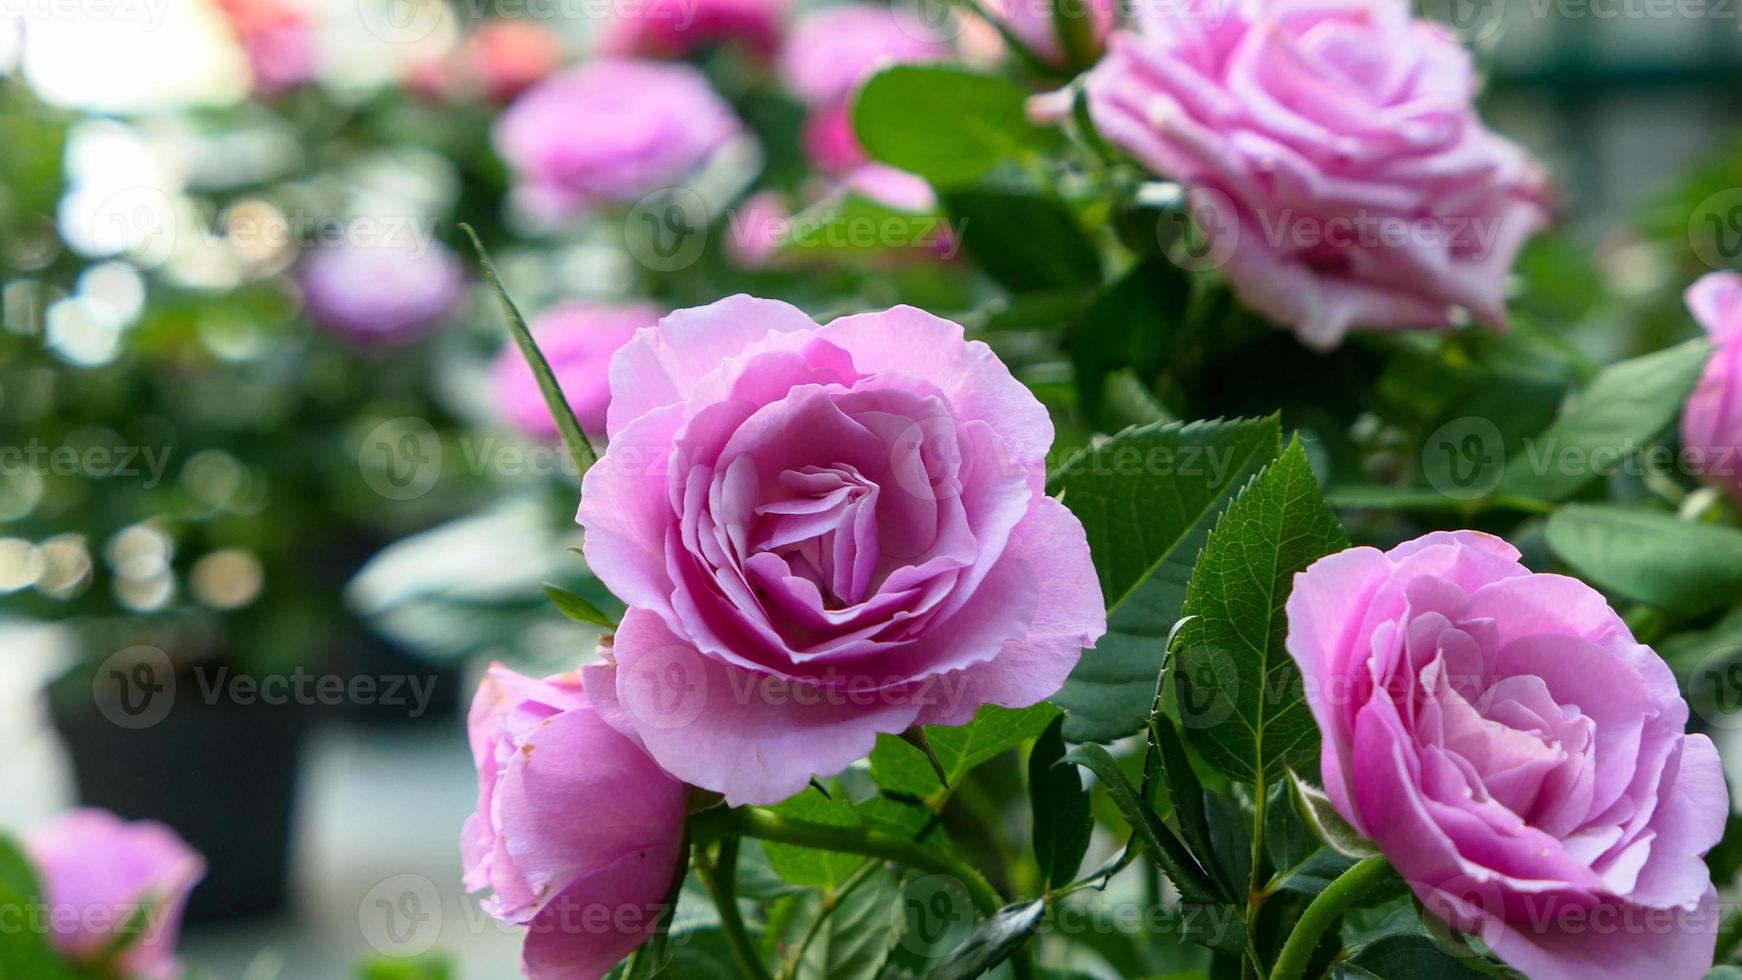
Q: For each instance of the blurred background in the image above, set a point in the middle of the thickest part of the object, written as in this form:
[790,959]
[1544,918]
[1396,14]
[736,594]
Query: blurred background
[262,516]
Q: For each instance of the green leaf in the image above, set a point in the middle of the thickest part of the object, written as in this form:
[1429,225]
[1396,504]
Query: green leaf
[1405,957]
[1315,808]
[862,928]
[1127,326]
[1147,498]
[899,767]
[1183,789]
[1062,823]
[1624,408]
[1650,557]
[571,604]
[806,866]
[25,953]
[1025,242]
[579,448]
[946,123]
[992,943]
[1240,695]
[1169,853]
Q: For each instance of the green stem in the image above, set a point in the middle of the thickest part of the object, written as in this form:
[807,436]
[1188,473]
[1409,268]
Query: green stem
[831,902]
[721,880]
[1322,913]
[1254,897]
[764,825]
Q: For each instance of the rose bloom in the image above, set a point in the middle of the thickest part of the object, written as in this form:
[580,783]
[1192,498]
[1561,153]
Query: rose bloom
[577,339]
[506,57]
[830,54]
[1712,423]
[612,130]
[578,833]
[97,872]
[679,28]
[1516,755]
[1332,153]
[824,533]
[384,293]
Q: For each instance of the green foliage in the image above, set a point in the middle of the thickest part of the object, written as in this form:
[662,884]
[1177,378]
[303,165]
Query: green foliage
[1164,847]
[1621,411]
[1147,498]
[1240,694]
[992,943]
[900,767]
[1060,805]
[1649,556]
[947,123]
[436,966]
[572,605]
[1024,242]
[26,949]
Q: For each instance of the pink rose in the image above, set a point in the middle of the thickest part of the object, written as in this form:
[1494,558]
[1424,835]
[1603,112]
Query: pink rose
[578,833]
[1712,423]
[578,340]
[678,28]
[1515,754]
[383,293]
[830,54]
[1333,154]
[97,873]
[823,533]
[612,130]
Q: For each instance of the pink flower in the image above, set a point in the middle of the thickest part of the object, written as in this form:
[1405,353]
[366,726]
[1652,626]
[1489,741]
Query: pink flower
[612,130]
[1516,754]
[757,230]
[578,340]
[578,834]
[1332,151]
[823,533]
[678,28]
[830,54]
[100,874]
[1712,423]
[383,293]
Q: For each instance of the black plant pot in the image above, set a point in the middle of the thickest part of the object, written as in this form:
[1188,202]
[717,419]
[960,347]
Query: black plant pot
[223,775]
